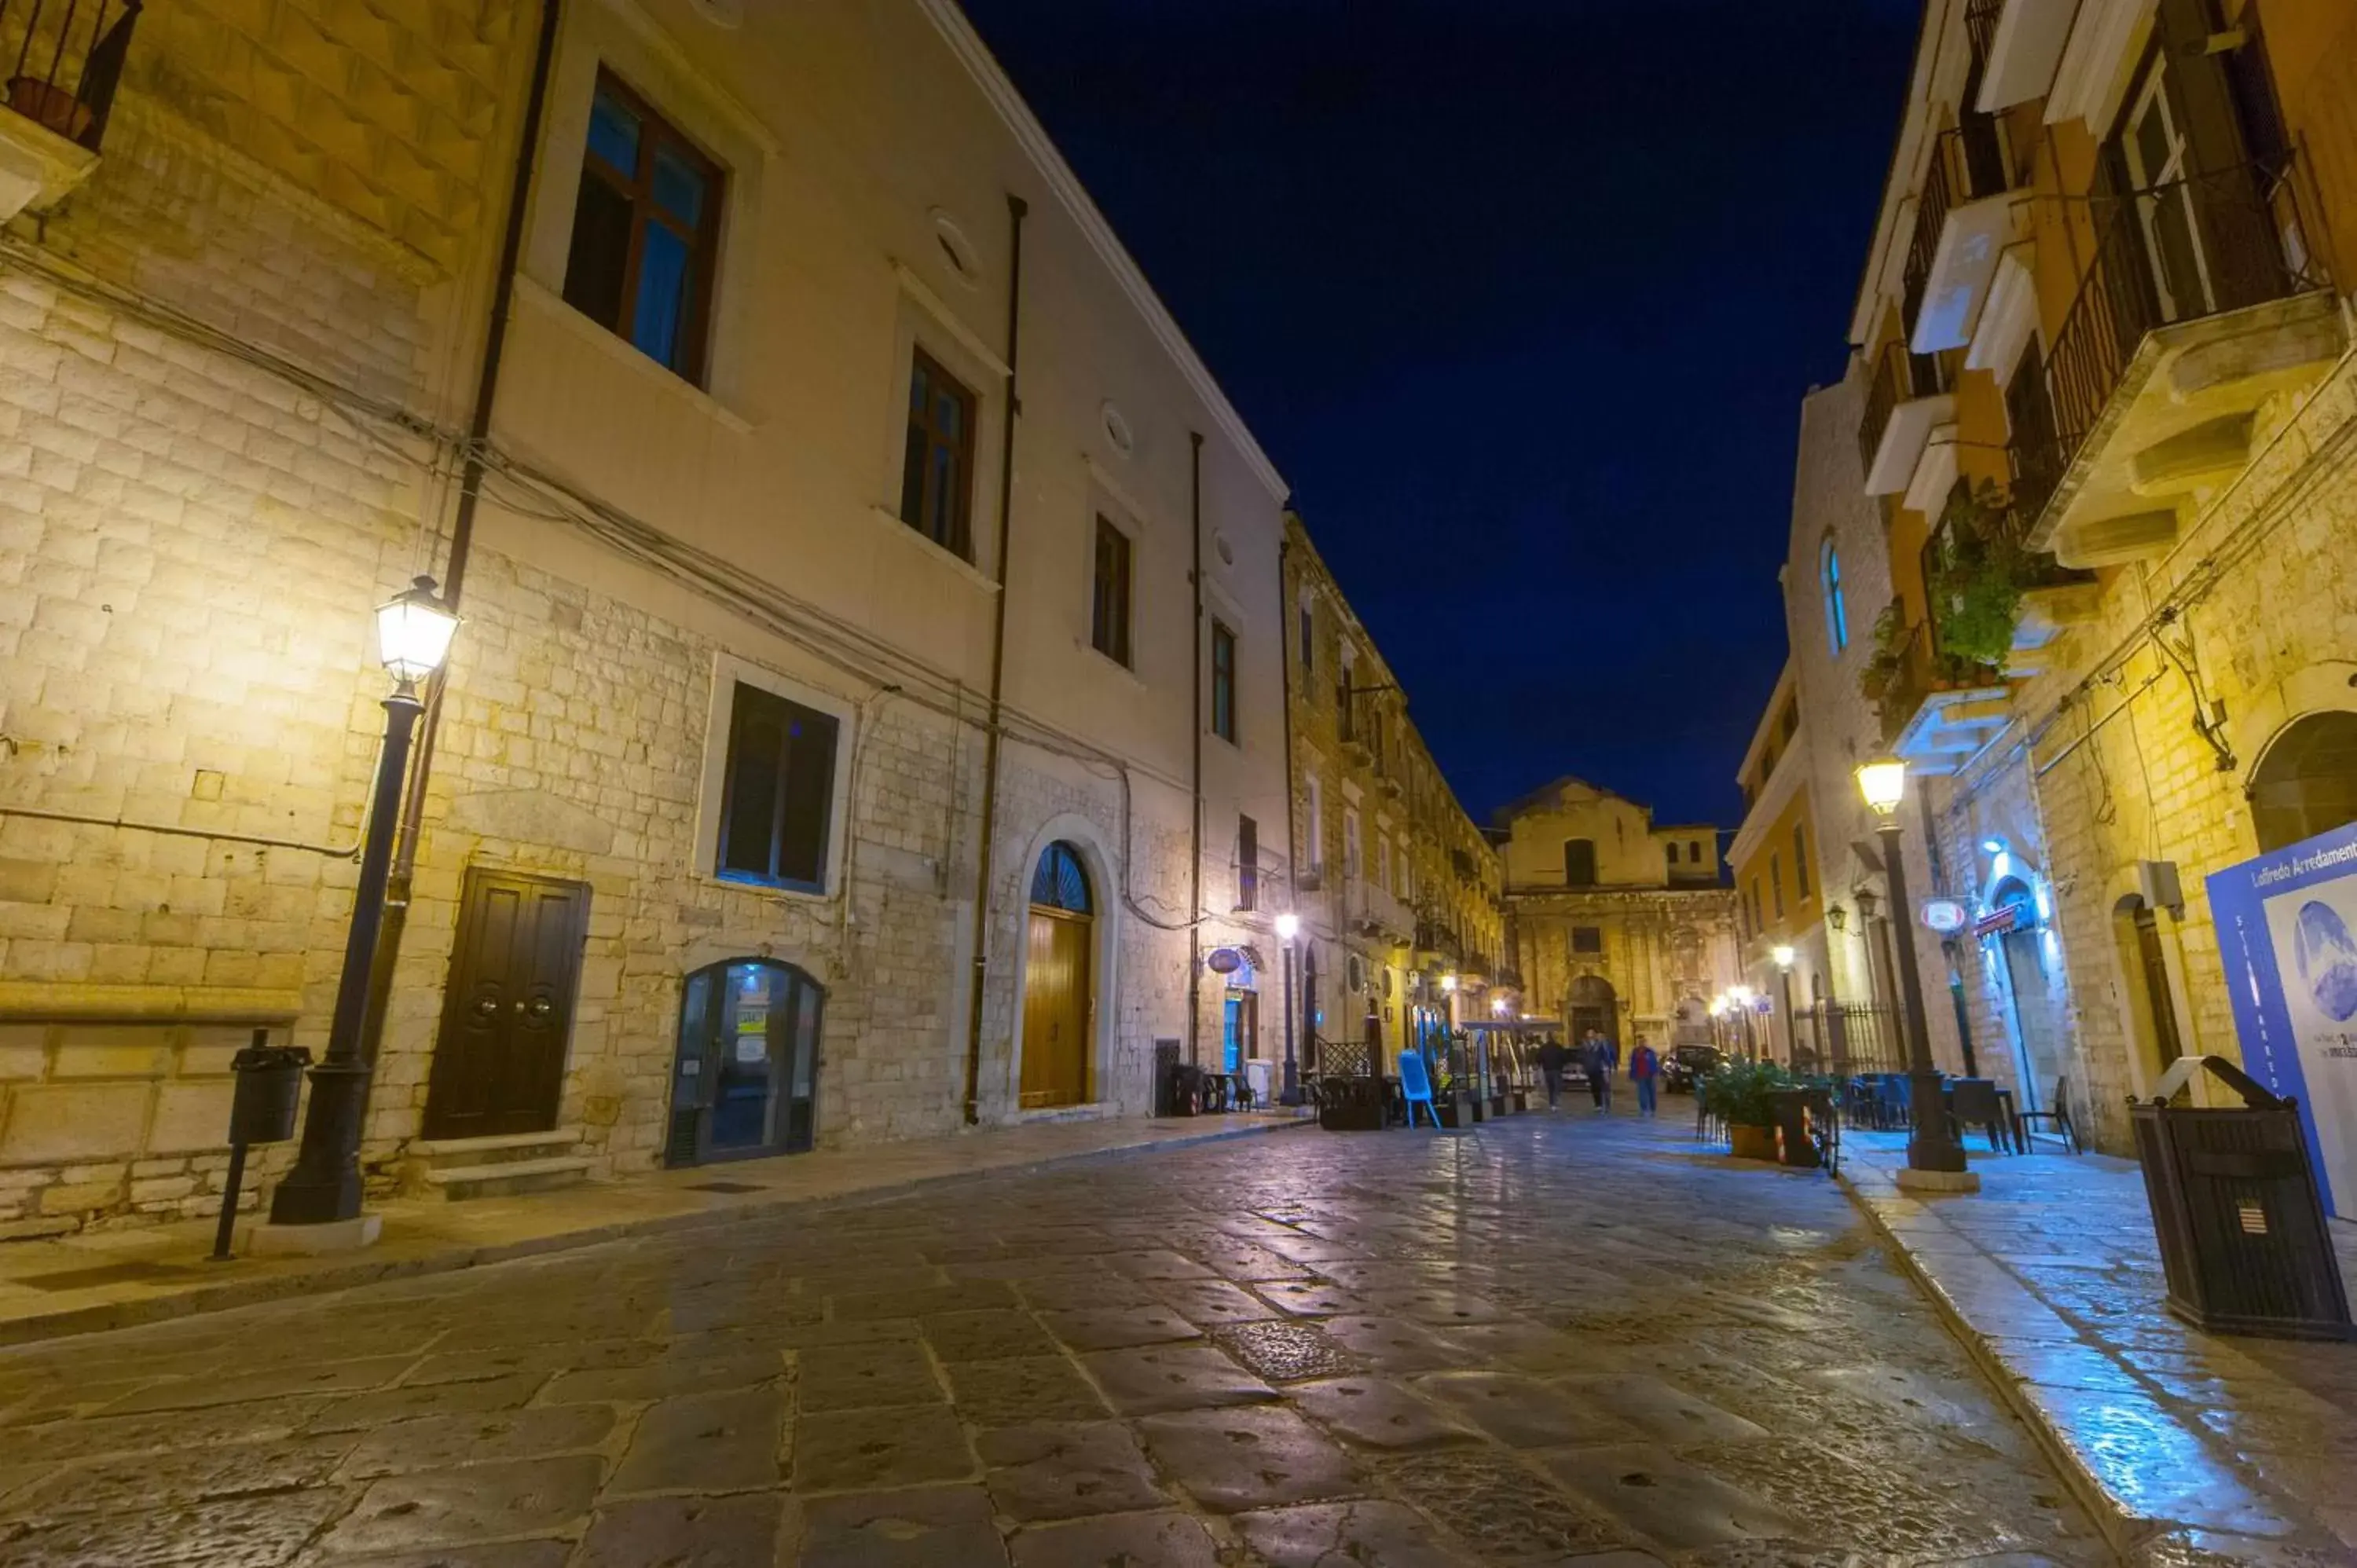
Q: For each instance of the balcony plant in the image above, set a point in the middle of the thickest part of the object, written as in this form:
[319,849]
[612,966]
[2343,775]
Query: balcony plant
[1889,651]
[1978,573]
[1736,1092]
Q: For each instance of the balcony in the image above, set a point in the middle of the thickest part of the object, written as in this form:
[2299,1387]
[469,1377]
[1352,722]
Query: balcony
[2018,43]
[2205,304]
[1973,207]
[1910,396]
[69,56]
[1376,913]
[1436,946]
[1938,709]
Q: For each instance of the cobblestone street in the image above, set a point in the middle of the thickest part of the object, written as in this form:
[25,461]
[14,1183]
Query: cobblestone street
[1552,1339]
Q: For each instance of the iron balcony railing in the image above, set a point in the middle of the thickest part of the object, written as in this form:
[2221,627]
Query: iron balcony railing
[1968,164]
[1922,670]
[67,59]
[2200,246]
[1980,29]
[1900,377]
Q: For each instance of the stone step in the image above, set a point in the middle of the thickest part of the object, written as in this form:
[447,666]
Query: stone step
[447,1154]
[507,1178]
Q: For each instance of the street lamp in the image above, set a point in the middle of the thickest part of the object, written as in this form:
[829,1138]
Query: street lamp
[1288,925]
[414,631]
[1783,954]
[1933,1148]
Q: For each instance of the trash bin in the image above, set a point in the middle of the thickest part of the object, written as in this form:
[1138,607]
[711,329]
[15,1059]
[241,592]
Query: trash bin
[1166,1077]
[269,1087]
[2242,1230]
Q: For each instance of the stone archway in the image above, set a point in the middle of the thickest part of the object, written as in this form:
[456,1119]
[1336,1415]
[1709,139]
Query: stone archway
[1593,1004]
[2306,784]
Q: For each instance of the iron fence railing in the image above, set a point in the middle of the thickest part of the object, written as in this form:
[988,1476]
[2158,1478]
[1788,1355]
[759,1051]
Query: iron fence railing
[2199,246]
[66,60]
[1846,1038]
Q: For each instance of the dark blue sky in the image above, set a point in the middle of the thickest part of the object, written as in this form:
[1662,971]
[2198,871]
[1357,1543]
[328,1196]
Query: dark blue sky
[1522,296]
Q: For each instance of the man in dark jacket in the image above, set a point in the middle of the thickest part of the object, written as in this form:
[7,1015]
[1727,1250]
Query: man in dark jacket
[1552,1059]
[1596,1058]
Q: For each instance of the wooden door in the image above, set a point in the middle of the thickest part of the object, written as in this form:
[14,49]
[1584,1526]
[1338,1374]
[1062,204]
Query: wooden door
[507,1013]
[1056,1008]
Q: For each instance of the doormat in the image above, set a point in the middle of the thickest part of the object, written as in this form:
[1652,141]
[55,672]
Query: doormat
[727,1187]
[104,1274]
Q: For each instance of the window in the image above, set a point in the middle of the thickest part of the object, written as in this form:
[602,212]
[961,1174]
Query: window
[778,792]
[1316,824]
[1382,863]
[1752,902]
[1674,854]
[1579,862]
[1308,637]
[937,465]
[1836,612]
[1588,938]
[1693,852]
[2306,784]
[1109,601]
[1342,700]
[1223,682]
[1247,864]
[645,227]
[1351,862]
[1776,882]
[1800,859]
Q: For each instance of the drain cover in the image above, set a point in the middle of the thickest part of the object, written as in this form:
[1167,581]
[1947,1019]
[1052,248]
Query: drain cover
[725,1187]
[104,1274]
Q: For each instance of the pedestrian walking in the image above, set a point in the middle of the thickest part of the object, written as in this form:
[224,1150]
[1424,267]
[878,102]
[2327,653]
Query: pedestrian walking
[1552,1059]
[1644,1071]
[1596,1061]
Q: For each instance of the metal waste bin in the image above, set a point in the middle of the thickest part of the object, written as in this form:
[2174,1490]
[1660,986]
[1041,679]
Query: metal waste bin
[269,1087]
[2241,1229]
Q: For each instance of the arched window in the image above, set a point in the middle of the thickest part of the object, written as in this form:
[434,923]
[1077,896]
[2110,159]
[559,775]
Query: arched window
[1061,883]
[1836,612]
[2307,782]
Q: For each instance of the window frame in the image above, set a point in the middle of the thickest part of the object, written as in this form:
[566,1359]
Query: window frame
[1122,631]
[1247,863]
[1829,582]
[1354,857]
[1313,804]
[1800,861]
[1588,938]
[728,673]
[1223,680]
[738,690]
[657,130]
[961,526]
[1776,882]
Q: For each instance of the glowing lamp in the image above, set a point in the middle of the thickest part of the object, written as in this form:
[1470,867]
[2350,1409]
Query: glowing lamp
[1448,982]
[1784,955]
[412,631]
[1883,782]
[1287,926]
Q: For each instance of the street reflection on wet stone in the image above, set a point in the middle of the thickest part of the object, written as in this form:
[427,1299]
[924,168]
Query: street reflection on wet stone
[1555,1340]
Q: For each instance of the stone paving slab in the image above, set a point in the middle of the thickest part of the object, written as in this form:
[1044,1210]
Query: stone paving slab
[2187,1448]
[1680,1360]
[155,1272]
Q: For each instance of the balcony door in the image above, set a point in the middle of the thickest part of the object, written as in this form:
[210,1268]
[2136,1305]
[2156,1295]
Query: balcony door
[2159,156]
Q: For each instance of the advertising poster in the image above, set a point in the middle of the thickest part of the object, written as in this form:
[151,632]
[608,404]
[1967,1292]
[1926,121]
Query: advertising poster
[2288,932]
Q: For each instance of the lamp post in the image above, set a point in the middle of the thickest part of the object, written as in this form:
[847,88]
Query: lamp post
[413,632]
[1784,955]
[1935,1157]
[1288,925]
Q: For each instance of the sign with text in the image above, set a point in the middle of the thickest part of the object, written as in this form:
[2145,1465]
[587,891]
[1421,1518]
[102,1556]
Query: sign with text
[2287,934]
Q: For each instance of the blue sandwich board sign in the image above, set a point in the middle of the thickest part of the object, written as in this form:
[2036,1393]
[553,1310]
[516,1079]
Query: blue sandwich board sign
[2287,933]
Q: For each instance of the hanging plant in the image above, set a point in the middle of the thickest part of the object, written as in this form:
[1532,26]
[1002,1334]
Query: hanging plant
[1977,575]
[1889,651]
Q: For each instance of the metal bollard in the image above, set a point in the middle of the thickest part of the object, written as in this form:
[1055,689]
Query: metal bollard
[269,1088]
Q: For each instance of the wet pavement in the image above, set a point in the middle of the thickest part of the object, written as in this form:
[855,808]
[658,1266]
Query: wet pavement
[2192,1448]
[1551,1339]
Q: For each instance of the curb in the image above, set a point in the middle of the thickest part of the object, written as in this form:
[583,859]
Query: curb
[2121,1530]
[235,1294]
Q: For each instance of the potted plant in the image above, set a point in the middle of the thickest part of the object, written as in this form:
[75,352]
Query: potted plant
[1977,573]
[1738,1094]
[1889,651]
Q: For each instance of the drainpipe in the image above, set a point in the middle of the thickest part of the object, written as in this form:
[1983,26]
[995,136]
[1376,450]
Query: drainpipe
[462,530]
[1195,900]
[1015,209]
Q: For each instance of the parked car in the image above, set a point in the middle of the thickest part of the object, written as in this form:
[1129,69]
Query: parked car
[1684,1064]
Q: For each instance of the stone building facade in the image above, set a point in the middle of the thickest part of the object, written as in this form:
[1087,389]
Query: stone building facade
[238,360]
[1617,923]
[1398,890]
[2107,409]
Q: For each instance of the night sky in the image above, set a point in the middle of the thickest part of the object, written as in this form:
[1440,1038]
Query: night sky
[1522,296]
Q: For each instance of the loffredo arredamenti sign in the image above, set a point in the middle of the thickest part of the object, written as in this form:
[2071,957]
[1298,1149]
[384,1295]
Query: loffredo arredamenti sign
[2287,934]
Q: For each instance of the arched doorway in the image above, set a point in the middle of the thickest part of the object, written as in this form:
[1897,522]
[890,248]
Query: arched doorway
[745,1079]
[1593,1006]
[2038,1048]
[2307,782]
[1059,981]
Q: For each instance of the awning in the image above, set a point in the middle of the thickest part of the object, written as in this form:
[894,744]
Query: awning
[1998,921]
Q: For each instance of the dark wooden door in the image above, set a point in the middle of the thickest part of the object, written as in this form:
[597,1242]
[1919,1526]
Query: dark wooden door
[506,1014]
[1056,1011]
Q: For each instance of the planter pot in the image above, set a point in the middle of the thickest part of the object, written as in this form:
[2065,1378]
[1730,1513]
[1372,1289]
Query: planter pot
[1752,1143]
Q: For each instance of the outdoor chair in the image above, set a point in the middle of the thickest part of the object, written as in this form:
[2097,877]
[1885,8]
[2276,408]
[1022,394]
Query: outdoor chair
[2060,1116]
[1416,1087]
[1973,1103]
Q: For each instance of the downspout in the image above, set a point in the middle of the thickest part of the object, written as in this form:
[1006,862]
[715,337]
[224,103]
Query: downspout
[1195,899]
[462,529]
[1015,209]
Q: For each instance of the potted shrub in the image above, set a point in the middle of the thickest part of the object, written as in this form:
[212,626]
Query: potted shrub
[1738,1094]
